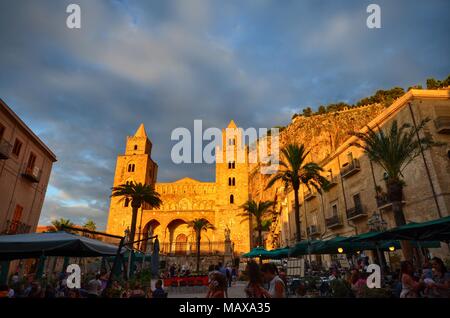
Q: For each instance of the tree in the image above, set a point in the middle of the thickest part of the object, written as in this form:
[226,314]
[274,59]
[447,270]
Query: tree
[394,150]
[138,194]
[90,225]
[199,225]
[60,224]
[294,171]
[307,112]
[258,210]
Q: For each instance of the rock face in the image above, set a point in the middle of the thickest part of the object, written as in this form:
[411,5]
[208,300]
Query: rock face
[322,134]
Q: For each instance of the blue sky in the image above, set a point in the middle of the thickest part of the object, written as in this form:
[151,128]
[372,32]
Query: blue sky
[166,63]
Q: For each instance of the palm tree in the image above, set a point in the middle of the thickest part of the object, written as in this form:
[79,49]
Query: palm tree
[296,171]
[138,194]
[258,210]
[394,151]
[199,225]
[91,226]
[60,224]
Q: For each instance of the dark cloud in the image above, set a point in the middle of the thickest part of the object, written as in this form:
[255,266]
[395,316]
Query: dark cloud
[166,63]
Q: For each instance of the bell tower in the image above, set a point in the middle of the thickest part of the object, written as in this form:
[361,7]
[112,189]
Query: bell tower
[232,186]
[135,165]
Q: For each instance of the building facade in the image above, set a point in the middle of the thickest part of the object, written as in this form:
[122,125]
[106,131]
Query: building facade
[187,199]
[25,167]
[358,193]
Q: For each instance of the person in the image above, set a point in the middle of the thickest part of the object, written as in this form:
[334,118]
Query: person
[172,270]
[440,285]
[159,291]
[35,291]
[427,272]
[94,287]
[228,275]
[15,279]
[137,291]
[410,288]
[277,288]
[6,292]
[254,288]
[217,286]
[358,282]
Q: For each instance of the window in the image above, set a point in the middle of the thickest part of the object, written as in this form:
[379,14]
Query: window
[131,167]
[231,165]
[231,199]
[135,147]
[17,147]
[17,216]
[2,131]
[233,183]
[231,142]
[357,200]
[31,161]
[229,181]
[334,210]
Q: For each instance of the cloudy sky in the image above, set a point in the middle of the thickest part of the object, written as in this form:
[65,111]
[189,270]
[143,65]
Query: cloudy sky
[166,63]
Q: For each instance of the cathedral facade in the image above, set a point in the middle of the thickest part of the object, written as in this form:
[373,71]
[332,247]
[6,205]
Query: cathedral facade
[187,199]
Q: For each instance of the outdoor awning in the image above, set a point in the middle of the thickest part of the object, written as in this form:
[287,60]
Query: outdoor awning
[34,245]
[435,230]
[278,253]
[256,252]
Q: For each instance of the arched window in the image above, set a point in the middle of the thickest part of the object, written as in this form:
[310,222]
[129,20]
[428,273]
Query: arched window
[233,165]
[229,181]
[131,167]
[229,165]
[231,199]
[127,202]
[233,181]
[135,147]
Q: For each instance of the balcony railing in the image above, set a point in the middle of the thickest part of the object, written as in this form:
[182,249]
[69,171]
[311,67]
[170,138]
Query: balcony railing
[5,149]
[383,202]
[32,173]
[312,230]
[350,168]
[190,248]
[333,221]
[356,212]
[309,195]
[15,227]
[442,124]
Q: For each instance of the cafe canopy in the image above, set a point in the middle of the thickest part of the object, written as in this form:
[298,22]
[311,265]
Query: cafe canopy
[35,245]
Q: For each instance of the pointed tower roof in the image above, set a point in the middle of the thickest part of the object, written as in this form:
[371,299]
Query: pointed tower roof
[232,124]
[140,132]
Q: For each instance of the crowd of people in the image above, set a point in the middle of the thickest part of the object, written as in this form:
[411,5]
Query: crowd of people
[431,280]
[93,287]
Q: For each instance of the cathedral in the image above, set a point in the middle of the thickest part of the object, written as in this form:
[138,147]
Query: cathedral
[186,199]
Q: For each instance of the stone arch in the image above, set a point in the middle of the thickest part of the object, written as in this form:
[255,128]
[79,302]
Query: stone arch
[153,227]
[177,243]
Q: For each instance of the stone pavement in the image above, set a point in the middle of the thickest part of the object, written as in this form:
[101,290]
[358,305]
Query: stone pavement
[235,291]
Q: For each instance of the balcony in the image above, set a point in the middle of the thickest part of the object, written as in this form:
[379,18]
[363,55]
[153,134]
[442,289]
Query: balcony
[33,174]
[309,195]
[383,202]
[312,230]
[356,212]
[332,181]
[15,227]
[350,168]
[442,124]
[5,150]
[333,222]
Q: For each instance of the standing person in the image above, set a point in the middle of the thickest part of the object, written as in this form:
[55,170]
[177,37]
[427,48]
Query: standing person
[254,288]
[217,286]
[228,273]
[410,288]
[440,287]
[277,288]
[94,287]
